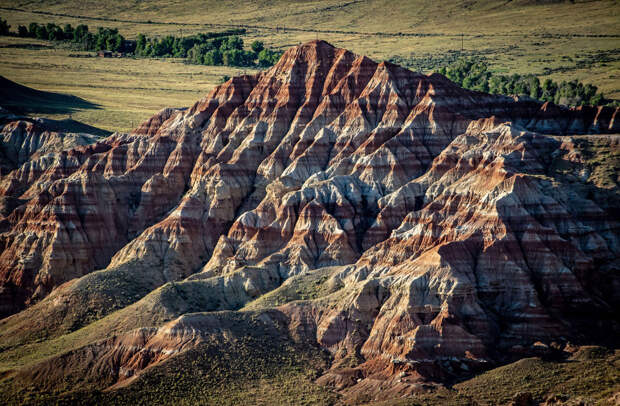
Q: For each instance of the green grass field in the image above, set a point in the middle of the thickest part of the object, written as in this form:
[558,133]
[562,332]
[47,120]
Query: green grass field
[561,40]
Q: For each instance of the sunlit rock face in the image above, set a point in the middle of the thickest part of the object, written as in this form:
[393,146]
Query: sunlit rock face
[453,236]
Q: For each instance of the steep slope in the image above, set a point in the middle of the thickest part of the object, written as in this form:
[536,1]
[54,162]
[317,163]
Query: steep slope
[24,139]
[432,231]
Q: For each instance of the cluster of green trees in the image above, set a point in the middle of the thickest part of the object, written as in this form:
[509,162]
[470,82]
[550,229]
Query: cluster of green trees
[211,48]
[177,47]
[4,27]
[104,39]
[473,73]
[208,49]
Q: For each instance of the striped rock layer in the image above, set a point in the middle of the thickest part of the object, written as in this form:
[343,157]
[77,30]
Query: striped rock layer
[449,235]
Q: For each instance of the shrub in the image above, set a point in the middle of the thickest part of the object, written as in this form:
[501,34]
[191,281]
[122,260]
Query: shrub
[213,57]
[32,29]
[4,27]
[41,32]
[233,57]
[267,57]
[80,32]
[140,44]
[232,43]
[54,33]
[22,31]
[67,32]
[473,73]
[257,46]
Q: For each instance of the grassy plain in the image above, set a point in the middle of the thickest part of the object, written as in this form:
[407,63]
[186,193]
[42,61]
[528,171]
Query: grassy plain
[561,40]
[124,90]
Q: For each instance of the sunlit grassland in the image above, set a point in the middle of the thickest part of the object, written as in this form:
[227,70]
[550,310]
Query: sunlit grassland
[421,16]
[127,90]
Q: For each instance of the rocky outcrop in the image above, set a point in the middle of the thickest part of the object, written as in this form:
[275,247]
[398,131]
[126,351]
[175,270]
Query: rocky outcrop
[458,225]
[71,210]
[22,140]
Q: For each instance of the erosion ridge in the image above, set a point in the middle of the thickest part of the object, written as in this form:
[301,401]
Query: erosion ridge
[447,236]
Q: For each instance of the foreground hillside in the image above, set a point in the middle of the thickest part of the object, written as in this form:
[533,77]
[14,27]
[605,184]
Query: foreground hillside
[331,229]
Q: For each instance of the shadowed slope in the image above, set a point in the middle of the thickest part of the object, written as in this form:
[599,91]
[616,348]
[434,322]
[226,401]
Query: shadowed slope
[25,100]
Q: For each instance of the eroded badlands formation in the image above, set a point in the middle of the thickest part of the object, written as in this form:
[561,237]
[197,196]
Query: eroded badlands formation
[455,228]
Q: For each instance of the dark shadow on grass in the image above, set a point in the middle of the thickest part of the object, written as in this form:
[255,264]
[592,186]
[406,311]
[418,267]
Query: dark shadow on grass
[27,46]
[72,126]
[24,100]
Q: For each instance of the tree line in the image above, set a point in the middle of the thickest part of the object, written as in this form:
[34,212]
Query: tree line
[104,39]
[473,73]
[210,48]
